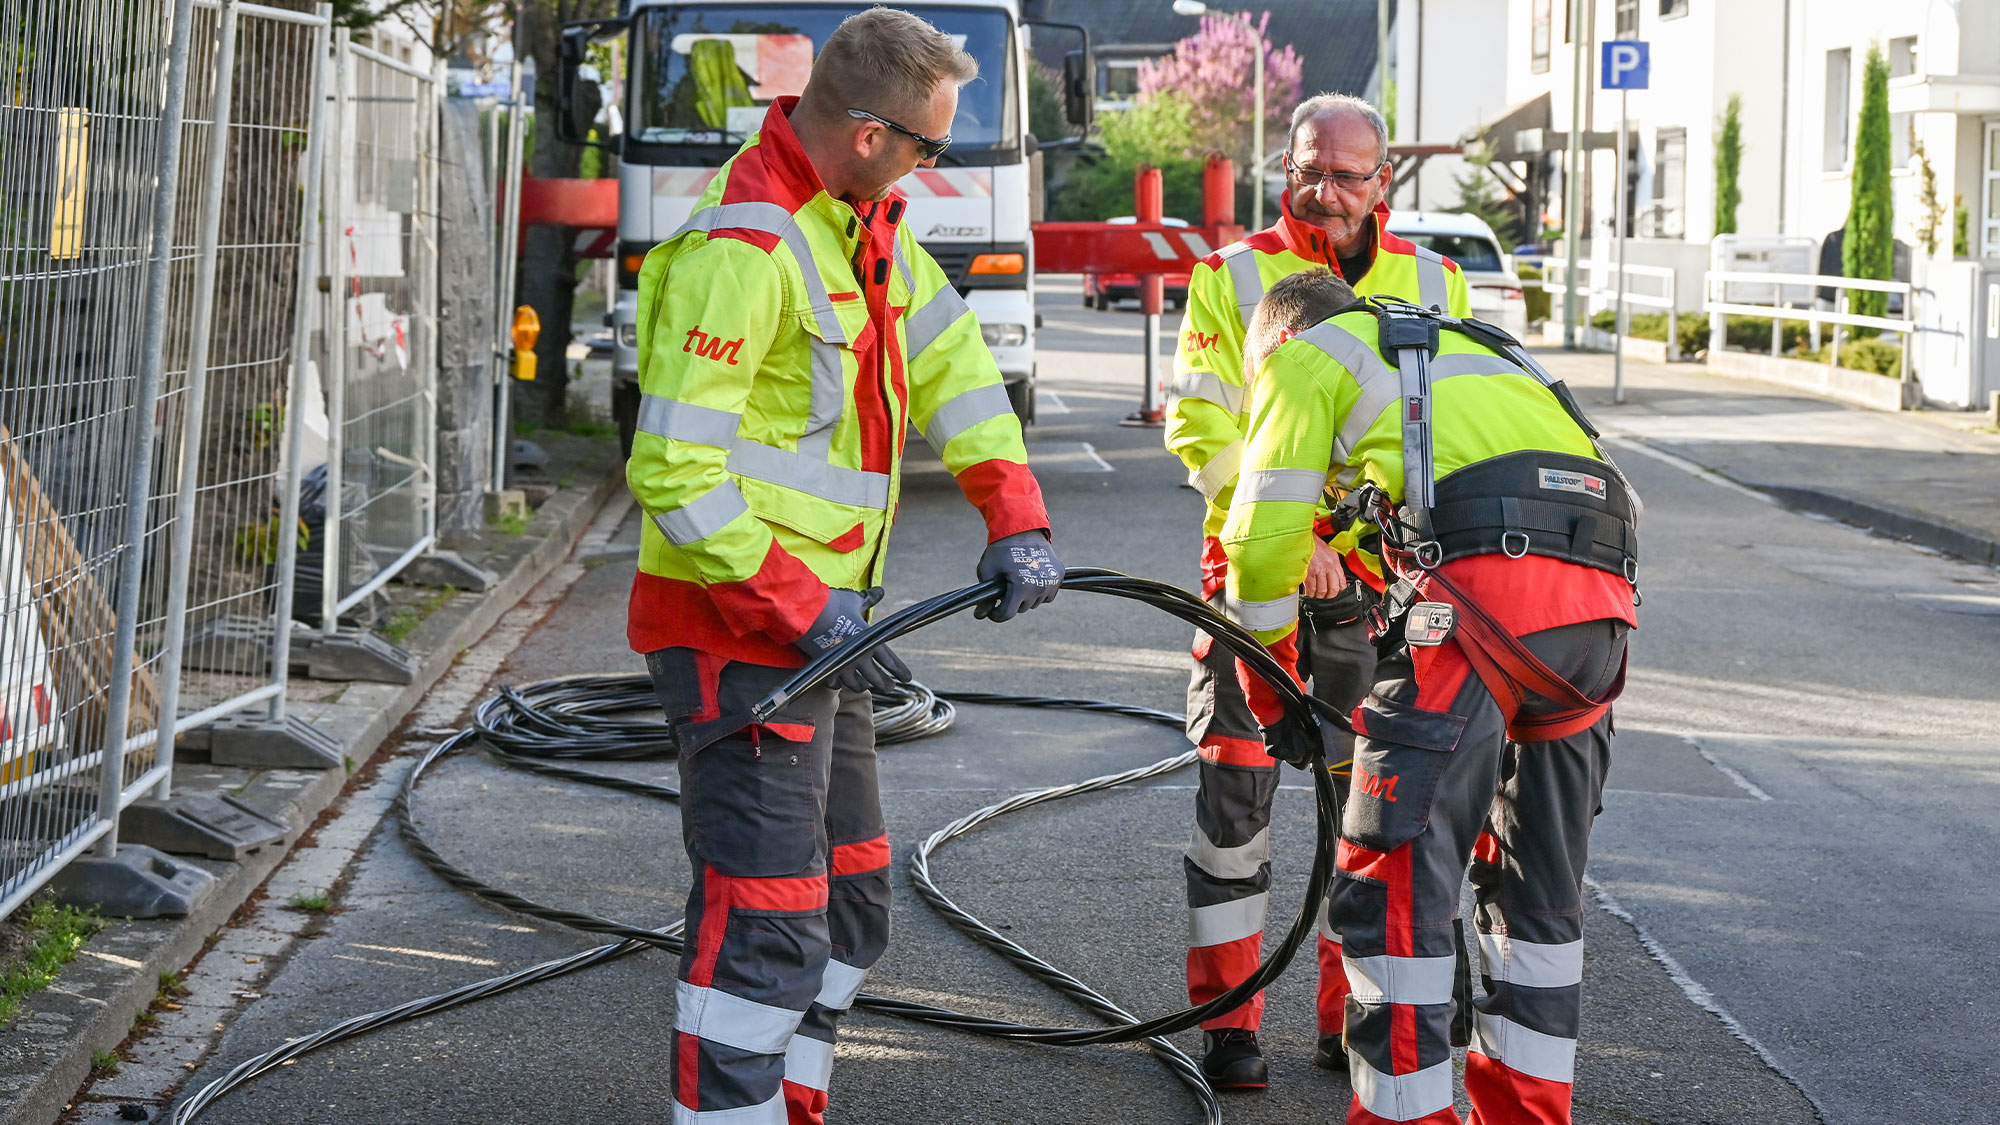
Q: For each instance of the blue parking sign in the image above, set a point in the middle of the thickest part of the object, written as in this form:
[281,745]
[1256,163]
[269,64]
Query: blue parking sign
[1626,65]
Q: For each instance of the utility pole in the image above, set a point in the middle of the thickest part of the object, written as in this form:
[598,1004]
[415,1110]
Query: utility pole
[1573,172]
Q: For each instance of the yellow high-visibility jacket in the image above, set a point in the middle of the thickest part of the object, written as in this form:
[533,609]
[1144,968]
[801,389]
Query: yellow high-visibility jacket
[785,340]
[1205,415]
[1327,397]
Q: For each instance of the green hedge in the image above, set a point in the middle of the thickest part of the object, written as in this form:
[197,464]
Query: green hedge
[1753,334]
[1537,299]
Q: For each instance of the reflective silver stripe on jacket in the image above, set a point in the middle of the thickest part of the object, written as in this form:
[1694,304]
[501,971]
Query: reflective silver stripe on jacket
[1401,980]
[829,396]
[1433,291]
[1537,1054]
[903,267]
[1240,862]
[1400,1097]
[1277,613]
[684,421]
[1379,385]
[1215,476]
[1243,276]
[810,475]
[963,411]
[707,514]
[1226,921]
[1208,387]
[732,1021]
[773,219]
[922,327]
[771,1111]
[1303,485]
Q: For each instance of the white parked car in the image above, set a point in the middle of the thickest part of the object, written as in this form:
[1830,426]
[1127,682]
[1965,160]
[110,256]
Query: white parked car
[1489,273]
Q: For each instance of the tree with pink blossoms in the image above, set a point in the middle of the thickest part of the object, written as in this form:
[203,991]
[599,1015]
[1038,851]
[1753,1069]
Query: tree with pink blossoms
[1212,69]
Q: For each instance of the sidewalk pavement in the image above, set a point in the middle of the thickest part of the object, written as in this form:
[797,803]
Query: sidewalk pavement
[1932,477]
[46,1049]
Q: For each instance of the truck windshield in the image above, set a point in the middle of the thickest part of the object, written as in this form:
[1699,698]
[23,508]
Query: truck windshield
[703,74]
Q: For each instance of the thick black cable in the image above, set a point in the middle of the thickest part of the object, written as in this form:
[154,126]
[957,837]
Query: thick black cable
[570,719]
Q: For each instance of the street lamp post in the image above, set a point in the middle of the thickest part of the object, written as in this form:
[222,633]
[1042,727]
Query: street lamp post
[1198,8]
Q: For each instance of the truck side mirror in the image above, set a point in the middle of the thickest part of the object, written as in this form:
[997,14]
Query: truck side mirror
[579,96]
[1079,82]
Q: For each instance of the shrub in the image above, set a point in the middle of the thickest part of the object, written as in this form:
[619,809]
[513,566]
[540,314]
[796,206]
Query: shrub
[1154,131]
[1537,299]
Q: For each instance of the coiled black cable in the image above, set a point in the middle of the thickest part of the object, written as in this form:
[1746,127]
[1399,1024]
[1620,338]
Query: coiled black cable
[577,718]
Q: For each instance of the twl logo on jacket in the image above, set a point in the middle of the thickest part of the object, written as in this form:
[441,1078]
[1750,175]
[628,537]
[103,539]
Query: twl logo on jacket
[712,347]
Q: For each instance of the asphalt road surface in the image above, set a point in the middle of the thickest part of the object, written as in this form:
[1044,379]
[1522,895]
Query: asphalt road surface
[1794,857]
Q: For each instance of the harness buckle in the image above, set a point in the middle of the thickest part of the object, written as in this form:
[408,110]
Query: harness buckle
[1631,570]
[1507,537]
[1428,554]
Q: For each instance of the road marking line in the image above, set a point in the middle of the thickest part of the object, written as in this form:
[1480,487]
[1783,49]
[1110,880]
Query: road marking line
[1727,771]
[1049,402]
[433,954]
[1625,439]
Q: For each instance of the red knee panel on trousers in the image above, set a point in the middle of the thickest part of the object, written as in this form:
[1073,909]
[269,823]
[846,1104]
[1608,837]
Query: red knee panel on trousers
[1333,989]
[804,1105]
[1226,751]
[1215,969]
[1502,1095]
[857,859]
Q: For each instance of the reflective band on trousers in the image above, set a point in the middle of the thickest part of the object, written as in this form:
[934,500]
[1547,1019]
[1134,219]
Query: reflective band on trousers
[1402,980]
[922,327]
[1244,278]
[1432,292]
[1227,921]
[1208,387]
[1531,963]
[963,411]
[732,1021]
[1277,613]
[1400,1097]
[809,1062]
[1301,485]
[1536,1054]
[773,219]
[802,471]
[840,985]
[707,514]
[1220,470]
[1240,862]
[769,1112]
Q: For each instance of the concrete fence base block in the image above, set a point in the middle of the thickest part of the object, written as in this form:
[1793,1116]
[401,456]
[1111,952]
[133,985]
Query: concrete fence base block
[354,654]
[198,824]
[288,744]
[139,882]
[447,568]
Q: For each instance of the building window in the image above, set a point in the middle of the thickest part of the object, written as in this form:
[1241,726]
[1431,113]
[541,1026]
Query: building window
[1667,218]
[1538,39]
[1673,9]
[1627,16]
[1839,67]
[1118,83]
[1902,126]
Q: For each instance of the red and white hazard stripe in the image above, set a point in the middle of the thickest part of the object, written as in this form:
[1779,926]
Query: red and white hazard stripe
[950,183]
[690,182]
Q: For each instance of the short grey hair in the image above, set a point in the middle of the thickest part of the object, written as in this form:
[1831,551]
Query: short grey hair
[1293,304]
[1329,105]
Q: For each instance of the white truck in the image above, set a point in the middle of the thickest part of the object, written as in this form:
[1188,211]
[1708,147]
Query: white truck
[699,78]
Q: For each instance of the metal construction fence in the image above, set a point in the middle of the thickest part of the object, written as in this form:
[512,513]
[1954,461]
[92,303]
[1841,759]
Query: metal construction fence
[377,500]
[156,221]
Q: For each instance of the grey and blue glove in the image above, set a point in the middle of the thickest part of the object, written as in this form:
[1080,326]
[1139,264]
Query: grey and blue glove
[843,619]
[1029,571]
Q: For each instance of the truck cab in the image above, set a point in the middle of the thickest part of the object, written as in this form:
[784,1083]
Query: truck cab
[699,78]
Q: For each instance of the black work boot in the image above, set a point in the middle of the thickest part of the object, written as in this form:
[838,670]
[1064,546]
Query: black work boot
[1231,1060]
[1330,1054]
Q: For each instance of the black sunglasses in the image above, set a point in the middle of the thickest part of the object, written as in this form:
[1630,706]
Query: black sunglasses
[930,147]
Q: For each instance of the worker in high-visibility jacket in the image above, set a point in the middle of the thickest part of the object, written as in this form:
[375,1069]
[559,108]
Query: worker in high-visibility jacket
[788,332]
[1332,217]
[1486,735]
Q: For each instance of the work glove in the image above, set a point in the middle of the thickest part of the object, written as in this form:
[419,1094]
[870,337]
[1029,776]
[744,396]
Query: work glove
[1029,570]
[844,617]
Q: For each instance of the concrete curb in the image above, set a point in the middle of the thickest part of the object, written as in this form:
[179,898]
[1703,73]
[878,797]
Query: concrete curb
[45,1054]
[1977,546]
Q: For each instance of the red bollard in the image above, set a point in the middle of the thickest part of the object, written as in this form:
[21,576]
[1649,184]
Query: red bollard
[1148,205]
[1218,192]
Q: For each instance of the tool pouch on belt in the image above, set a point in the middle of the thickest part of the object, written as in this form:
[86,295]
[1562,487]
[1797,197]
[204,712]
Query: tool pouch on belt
[1396,771]
[1344,608]
[1537,503]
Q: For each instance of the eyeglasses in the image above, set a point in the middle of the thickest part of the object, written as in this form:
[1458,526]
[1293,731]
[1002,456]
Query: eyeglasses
[930,147]
[1345,181]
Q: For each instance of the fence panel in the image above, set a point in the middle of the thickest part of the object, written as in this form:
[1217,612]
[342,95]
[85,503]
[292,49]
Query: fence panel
[379,488]
[229,468]
[89,141]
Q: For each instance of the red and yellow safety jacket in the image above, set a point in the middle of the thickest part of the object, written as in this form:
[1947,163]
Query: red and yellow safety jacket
[785,341]
[1205,419]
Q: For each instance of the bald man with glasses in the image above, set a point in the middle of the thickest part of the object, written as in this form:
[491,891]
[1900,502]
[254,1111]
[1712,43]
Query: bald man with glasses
[1332,216]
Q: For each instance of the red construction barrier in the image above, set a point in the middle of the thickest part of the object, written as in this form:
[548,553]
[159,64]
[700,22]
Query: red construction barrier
[588,207]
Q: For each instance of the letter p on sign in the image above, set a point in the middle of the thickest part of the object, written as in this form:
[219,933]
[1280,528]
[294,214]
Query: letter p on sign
[1627,65]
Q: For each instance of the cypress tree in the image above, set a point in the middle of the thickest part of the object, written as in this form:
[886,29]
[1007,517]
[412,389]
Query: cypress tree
[1868,246]
[1728,163]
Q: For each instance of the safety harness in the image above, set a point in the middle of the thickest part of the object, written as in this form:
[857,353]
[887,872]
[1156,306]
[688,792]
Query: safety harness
[1578,509]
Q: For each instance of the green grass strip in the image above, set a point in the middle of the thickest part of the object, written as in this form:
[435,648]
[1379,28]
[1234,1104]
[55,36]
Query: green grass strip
[58,933]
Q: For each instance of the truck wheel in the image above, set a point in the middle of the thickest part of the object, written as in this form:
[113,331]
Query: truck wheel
[1021,396]
[625,411]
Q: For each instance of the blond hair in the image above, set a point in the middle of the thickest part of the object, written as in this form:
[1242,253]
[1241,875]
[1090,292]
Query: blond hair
[1293,304]
[885,61]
